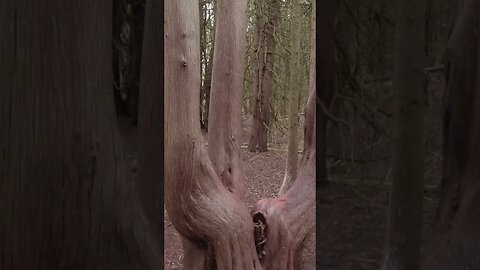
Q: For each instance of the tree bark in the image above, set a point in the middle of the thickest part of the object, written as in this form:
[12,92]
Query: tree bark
[292,155]
[224,136]
[216,228]
[406,194]
[65,199]
[456,240]
[267,21]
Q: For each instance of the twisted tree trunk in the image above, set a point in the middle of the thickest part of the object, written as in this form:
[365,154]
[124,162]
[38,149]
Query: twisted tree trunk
[216,227]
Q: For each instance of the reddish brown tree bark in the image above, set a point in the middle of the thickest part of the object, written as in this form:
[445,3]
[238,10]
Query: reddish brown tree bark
[456,243]
[65,198]
[226,91]
[216,228]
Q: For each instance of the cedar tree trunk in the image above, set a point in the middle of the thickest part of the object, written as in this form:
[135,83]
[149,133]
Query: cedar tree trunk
[216,228]
[66,201]
[224,125]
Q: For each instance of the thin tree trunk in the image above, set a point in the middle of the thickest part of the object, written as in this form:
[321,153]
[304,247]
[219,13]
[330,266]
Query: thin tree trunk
[216,228]
[264,79]
[65,199]
[456,240]
[406,194]
[292,155]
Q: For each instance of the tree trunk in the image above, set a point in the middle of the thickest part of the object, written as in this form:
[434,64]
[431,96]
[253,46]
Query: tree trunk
[456,242]
[224,136]
[406,194]
[267,21]
[216,228]
[327,69]
[283,224]
[292,155]
[65,199]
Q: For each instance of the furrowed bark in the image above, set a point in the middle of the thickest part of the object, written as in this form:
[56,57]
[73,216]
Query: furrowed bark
[215,226]
[224,125]
[66,200]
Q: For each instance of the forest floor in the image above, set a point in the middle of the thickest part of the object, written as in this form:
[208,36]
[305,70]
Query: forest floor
[351,218]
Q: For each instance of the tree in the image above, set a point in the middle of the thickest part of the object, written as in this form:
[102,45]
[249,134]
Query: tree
[406,194]
[283,224]
[216,227]
[267,20]
[455,244]
[225,110]
[326,69]
[292,155]
[66,200]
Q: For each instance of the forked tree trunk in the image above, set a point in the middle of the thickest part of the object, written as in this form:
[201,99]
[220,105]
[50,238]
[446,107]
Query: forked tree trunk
[225,110]
[65,199]
[456,243]
[267,22]
[292,155]
[283,224]
[406,193]
[216,228]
